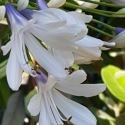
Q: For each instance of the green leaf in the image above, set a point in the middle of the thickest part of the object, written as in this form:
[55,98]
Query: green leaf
[108,101]
[15,112]
[5,92]
[102,117]
[115,85]
[3,62]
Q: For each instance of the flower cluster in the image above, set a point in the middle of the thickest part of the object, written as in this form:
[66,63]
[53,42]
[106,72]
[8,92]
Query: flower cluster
[56,40]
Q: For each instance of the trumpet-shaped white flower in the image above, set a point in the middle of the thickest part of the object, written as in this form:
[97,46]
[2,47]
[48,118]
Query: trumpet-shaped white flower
[49,99]
[2,12]
[56,3]
[57,23]
[62,28]
[18,61]
[73,27]
[22,4]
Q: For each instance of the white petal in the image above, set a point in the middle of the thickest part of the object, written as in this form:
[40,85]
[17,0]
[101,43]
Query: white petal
[80,114]
[54,25]
[89,41]
[85,60]
[56,40]
[88,52]
[50,83]
[56,3]
[44,118]
[21,54]
[86,90]
[54,109]
[49,110]
[28,25]
[81,17]
[64,57]
[44,58]
[81,60]
[2,12]
[110,44]
[61,15]
[14,71]
[75,78]
[22,4]
[34,105]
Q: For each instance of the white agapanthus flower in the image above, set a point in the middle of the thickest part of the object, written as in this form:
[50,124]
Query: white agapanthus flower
[2,12]
[87,46]
[56,3]
[49,100]
[67,28]
[22,36]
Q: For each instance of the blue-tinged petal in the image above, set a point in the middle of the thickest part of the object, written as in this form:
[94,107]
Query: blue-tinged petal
[14,77]
[41,4]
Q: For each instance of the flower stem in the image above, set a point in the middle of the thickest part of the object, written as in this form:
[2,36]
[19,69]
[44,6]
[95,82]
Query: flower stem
[105,4]
[100,31]
[96,11]
[103,24]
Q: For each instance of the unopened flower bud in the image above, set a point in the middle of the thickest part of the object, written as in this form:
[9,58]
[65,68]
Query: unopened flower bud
[90,5]
[56,3]
[22,4]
